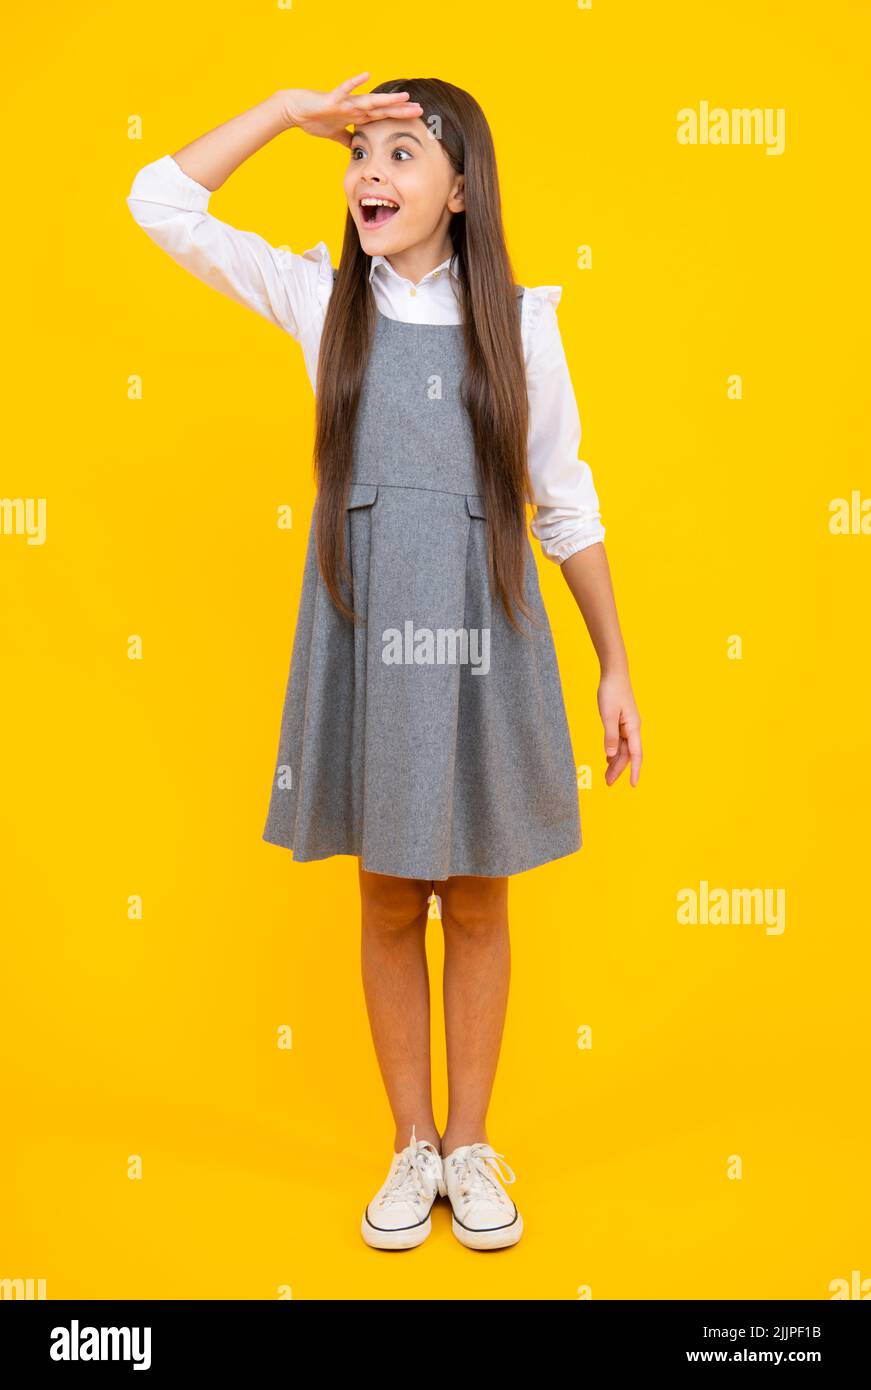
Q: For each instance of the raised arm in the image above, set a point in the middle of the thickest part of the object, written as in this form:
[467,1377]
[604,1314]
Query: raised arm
[169,200]
[213,157]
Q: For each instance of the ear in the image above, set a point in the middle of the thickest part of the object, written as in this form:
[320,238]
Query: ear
[457,200]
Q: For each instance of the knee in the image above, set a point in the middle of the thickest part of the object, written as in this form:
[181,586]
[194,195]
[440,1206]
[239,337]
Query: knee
[475,907]
[393,905]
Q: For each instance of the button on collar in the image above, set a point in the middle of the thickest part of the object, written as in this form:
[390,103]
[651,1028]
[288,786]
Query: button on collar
[380,262]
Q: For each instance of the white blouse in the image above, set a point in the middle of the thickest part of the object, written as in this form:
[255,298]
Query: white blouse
[292,290]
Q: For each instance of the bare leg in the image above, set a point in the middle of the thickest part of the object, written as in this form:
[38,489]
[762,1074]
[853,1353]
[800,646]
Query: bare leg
[396,985]
[477,971]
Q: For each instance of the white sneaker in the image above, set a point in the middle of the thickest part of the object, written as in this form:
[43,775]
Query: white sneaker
[485,1218]
[398,1217]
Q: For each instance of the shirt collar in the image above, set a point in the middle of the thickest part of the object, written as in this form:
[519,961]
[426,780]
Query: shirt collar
[448,265]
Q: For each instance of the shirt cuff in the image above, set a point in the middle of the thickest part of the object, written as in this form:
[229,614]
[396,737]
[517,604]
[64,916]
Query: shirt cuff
[164,181]
[559,551]
[569,548]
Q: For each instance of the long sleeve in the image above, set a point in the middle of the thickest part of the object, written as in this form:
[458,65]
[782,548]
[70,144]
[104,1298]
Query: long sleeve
[567,516]
[288,289]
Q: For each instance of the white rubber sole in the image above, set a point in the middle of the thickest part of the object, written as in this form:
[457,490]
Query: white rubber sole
[488,1240]
[406,1239]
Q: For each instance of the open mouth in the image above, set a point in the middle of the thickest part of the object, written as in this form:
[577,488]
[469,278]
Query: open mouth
[377,212]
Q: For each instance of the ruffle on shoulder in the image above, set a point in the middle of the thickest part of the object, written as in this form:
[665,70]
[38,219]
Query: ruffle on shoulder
[320,254]
[538,293]
[539,305]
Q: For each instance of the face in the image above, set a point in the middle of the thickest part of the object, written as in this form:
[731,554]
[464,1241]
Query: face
[399,162]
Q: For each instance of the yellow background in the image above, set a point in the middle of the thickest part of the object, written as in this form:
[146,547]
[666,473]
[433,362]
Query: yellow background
[158,1037]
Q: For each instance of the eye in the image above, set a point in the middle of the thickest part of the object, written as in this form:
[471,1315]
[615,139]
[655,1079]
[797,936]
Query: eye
[400,149]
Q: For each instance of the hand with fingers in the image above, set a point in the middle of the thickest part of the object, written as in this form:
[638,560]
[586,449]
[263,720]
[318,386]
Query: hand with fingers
[622,722]
[327,114]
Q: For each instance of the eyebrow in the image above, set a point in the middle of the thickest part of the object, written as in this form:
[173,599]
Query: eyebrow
[397,135]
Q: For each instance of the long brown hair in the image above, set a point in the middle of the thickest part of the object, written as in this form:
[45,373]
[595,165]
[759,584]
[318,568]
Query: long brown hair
[494,389]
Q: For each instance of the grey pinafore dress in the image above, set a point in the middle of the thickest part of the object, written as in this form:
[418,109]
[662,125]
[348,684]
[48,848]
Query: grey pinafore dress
[424,752]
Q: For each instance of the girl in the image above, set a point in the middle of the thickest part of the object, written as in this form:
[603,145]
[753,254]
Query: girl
[424,728]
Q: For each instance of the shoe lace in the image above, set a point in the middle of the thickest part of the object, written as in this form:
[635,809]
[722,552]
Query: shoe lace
[475,1177]
[413,1175]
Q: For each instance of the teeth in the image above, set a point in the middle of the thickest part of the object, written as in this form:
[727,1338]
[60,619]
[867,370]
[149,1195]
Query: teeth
[377,203]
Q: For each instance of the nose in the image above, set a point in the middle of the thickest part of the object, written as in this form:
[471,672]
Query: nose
[372,185]
[373,174]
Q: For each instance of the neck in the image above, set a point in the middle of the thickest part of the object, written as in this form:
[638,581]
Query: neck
[417,261]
